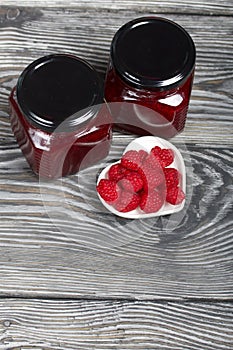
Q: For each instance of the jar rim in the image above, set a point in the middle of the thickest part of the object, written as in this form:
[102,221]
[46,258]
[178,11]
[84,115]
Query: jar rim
[54,82]
[141,55]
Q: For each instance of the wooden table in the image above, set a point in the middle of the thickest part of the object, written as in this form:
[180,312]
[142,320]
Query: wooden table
[75,277]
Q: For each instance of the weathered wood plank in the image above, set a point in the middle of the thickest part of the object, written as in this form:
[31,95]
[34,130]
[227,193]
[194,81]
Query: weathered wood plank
[57,241]
[214,7]
[33,32]
[47,325]
[67,255]
[81,250]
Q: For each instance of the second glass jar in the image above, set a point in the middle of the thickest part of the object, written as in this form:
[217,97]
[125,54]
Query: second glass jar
[150,75]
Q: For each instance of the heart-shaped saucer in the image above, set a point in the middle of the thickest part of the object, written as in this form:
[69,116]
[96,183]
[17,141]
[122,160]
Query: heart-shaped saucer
[147,143]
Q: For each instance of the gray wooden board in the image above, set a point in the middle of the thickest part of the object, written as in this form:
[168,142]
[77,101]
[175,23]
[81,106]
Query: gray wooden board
[210,7]
[51,324]
[56,240]
[81,249]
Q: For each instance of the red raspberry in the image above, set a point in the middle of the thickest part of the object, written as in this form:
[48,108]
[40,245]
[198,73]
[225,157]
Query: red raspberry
[152,161]
[165,156]
[162,190]
[172,176]
[151,177]
[132,182]
[156,150]
[131,160]
[175,195]
[117,172]
[128,201]
[142,154]
[108,190]
[151,202]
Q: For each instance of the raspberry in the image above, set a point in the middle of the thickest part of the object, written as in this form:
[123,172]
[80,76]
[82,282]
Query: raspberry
[175,195]
[172,176]
[151,202]
[108,190]
[131,160]
[165,156]
[152,161]
[117,172]
[151,177]
[132,182]
[156,150]
[128,201]
[142,154]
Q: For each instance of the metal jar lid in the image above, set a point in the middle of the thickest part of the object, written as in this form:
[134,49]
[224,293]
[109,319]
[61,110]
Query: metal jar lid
[59,88]
[153,52]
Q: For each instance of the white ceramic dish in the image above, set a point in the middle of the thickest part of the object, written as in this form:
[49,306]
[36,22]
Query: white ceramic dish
[147,143]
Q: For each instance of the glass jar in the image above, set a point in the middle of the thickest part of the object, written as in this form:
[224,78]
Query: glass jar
[58,116]
[150,75]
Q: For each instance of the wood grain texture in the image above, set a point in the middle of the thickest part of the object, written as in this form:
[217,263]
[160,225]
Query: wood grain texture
[213,7]
[28,33]
[47,325]
[66,244]
[105,282]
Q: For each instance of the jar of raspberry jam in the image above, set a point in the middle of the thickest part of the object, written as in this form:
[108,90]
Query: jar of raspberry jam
[58,116]
[150,75]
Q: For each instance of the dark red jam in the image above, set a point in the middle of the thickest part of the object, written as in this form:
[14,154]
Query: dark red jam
[58,115]
[150,75]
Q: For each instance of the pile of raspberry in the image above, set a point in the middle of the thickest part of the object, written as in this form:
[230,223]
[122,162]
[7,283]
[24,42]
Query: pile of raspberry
[142,180]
